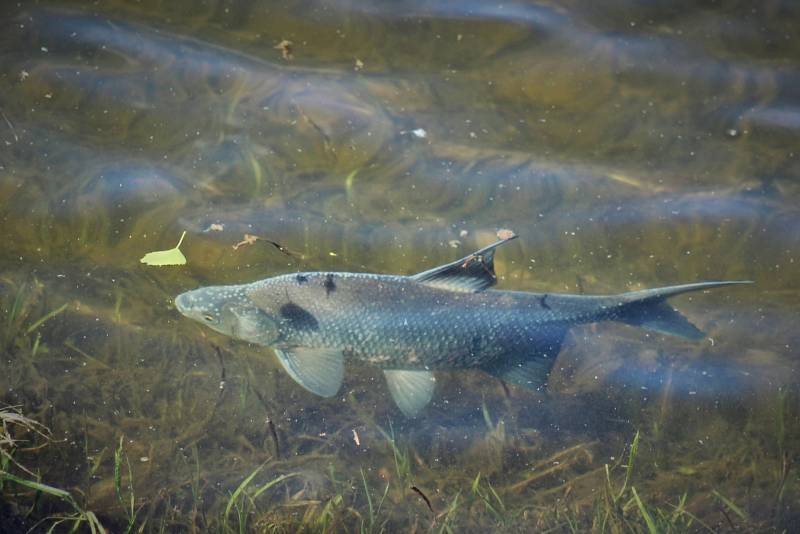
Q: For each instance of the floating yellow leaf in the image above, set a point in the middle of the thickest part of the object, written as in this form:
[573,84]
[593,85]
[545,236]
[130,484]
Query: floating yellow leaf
[173,256]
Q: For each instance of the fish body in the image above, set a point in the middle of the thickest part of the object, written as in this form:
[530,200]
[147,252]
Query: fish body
[410,326]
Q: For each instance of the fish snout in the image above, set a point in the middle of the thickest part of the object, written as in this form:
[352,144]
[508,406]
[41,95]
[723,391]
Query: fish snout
[184,303]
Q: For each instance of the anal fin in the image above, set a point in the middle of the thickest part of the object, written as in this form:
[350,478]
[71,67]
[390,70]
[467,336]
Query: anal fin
[529,366]
[411,390]
[320,371]
[529,374]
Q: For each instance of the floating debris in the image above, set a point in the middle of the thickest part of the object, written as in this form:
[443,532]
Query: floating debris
[419,133]
[424,498]
[359,64]
[173,256]
[214,227]
[505,234]
[348,181]
[454,243]
[356,438]
[286,48]
[248,239]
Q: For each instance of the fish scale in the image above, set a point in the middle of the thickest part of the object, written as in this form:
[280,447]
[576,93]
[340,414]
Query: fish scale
[394,322]
[409,326]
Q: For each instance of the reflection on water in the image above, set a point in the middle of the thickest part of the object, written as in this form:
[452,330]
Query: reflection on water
[629,144]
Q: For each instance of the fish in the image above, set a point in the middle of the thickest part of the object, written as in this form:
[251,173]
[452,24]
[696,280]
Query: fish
[446,317]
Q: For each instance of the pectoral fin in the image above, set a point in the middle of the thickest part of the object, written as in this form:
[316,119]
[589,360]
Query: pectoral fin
[411,390]
[470,274]
[320,371]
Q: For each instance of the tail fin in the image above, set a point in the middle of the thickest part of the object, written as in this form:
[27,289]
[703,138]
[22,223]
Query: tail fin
[648,309]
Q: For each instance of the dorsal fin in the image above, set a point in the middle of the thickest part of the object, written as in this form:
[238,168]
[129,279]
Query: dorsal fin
[470,274]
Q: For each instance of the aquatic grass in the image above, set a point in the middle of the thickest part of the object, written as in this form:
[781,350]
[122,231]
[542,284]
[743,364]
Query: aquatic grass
[244,502]
[490,498]
[402,460]
[540,504]
[15,309]
[648,519]
[730,505]
[45,318]
[233,501]
[129,507]
[77,518]
[448,516]
[9,417]
[374,511]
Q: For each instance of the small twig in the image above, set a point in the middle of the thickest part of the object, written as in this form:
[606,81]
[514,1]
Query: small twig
[274,435]
[424,497]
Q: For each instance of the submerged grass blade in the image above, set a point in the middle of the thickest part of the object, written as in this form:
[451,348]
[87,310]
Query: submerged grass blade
[629,468]
[118,472]
[272,483]
[235,495]
[47,317]
[731,505]
[38,486]
[648,519]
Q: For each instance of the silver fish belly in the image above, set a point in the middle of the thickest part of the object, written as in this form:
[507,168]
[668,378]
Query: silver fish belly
[409,326]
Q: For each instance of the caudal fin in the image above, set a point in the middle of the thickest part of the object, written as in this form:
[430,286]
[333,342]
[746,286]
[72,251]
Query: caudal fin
[648,309]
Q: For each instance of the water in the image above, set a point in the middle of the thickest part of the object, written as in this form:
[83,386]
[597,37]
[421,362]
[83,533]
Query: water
[630,144]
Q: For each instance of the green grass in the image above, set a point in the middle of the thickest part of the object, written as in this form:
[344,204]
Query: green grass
[129,504]
[78,517]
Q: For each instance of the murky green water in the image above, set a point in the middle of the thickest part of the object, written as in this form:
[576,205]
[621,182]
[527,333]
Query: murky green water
[630,144]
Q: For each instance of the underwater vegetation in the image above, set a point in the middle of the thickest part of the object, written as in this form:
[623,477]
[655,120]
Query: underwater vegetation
[141,463]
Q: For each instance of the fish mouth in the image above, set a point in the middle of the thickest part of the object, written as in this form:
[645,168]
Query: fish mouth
[182,303]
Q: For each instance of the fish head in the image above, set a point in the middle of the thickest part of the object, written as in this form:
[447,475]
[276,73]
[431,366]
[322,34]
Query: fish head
[229,311]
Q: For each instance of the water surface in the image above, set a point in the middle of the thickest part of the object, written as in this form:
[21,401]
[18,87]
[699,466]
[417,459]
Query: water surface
[630,144]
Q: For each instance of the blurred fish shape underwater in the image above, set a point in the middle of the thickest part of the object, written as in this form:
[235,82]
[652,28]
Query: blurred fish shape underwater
[410,326]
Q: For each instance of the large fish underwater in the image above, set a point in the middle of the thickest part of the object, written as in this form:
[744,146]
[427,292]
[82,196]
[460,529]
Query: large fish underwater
[410,326]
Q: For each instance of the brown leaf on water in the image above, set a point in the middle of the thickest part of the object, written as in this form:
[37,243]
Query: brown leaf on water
[249,239]
[505,234]
[286,48]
